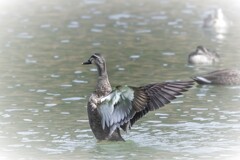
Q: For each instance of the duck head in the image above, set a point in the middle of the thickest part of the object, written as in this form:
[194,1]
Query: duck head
[201,50]
[99,61]
[96,58]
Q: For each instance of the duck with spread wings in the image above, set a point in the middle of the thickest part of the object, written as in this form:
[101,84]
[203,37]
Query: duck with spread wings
[110,110]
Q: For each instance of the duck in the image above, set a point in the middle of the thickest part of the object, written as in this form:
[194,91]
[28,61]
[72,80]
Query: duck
[113,109]
[215,19]
[203,56]
[219,77]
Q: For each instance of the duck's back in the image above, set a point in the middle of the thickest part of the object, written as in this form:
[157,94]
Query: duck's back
[203,56]
[221,77]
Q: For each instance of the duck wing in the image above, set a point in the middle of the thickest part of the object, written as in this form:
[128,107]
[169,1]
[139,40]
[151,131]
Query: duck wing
[159,94]
[125,105]
[120,106]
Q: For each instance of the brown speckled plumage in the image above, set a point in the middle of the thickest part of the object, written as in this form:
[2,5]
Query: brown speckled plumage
[220,77]
[109,110]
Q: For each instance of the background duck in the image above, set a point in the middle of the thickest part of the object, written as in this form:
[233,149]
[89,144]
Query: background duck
[202,56]
[215,19]
[109,110]
[220,77]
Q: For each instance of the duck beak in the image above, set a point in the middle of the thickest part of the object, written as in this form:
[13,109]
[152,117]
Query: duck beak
[87,62]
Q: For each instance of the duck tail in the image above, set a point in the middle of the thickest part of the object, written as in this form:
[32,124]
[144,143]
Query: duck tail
[201,80]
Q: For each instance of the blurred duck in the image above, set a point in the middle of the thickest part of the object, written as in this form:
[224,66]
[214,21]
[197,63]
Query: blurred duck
[202,56]
[109,110]
[215,19]
[220,77]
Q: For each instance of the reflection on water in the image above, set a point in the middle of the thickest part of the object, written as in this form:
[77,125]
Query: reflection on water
[44,89]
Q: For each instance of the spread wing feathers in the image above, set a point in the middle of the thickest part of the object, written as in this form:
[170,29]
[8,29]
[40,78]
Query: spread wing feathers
[120,106]
[140,99]
[125,105]
[160,94]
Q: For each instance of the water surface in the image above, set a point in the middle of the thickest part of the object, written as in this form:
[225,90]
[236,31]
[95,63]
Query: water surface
[44,88]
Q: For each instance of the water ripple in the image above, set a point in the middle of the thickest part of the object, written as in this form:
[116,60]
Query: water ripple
[80,81]
[119,16]
[159,17]
[66,85]
[30,61]
[86,17]
[45,26]
[73,99]
[168,53]
[25,133]
[50,105]
[143,31]
[94,1]
[24,35]
[100,25]
[134,56]
[65,41]
[73,24]
[77,72]
[96,30]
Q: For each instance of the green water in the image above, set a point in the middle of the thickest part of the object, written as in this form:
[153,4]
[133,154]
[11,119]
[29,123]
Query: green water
[44,88]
